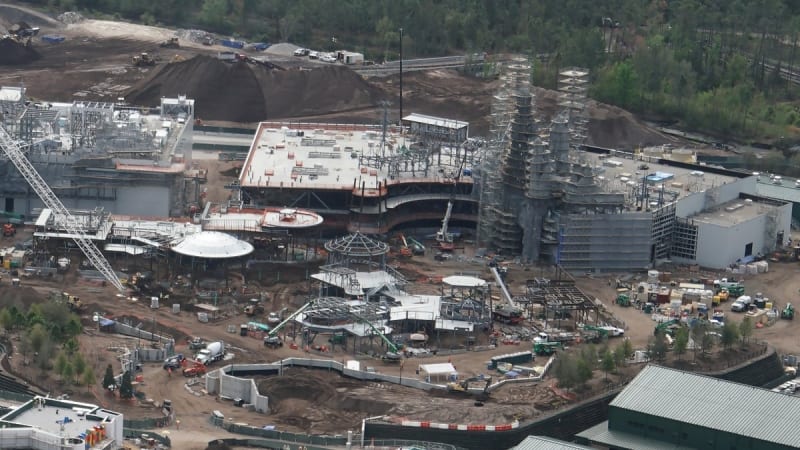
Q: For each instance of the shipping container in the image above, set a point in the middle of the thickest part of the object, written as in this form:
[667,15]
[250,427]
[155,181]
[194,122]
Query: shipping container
[260,46]
[231,43]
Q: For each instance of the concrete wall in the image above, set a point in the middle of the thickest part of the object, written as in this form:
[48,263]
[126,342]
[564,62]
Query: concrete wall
[699,201]
[718,246]
[142,201]
[130,330]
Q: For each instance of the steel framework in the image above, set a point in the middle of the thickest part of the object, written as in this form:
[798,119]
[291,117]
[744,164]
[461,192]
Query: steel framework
[15,155]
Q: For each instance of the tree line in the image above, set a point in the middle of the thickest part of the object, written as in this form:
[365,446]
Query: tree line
[714,65]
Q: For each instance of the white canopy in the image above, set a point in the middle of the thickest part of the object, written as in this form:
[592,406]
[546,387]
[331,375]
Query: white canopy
[437,369]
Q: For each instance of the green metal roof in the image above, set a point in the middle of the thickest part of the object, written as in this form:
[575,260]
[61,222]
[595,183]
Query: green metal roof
[547,443]
[786,192]
[712,403]
[600,434]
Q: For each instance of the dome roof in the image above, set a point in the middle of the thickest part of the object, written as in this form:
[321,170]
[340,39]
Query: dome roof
[212,244]
[356,244]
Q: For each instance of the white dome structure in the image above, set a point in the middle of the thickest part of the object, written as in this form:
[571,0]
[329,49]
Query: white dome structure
[212,245]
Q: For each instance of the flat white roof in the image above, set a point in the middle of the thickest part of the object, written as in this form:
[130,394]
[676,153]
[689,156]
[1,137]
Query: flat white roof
[733,212]
[366,280]
[436,121]
[11,94]
[331,159]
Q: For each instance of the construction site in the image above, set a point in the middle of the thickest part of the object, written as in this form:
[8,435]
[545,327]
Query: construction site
[356,277]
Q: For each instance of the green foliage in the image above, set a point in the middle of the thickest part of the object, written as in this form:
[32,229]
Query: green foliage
[657,347]
[745,329]
[61,362]
[79,364]
[608,362]
[67,372]
[619,355]
[730,334]
[627,345]
[681,342]
[88,378]
[108,377]
[565,369]
[584,371]
[126,386]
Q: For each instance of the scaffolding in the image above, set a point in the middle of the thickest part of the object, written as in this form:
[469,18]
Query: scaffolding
[572,88]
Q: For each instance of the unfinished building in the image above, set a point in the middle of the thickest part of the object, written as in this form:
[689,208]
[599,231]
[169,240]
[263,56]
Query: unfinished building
[94,154]
[361,177]
[547,197]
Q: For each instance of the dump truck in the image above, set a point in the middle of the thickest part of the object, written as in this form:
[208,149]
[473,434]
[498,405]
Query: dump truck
[144,60]
[213,352]
[170,43]
[546,348]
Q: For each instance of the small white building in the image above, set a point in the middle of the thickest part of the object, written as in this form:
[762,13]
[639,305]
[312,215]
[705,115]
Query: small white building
[46,423]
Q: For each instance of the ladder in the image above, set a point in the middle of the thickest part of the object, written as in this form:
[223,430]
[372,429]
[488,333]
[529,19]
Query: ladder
[14,153]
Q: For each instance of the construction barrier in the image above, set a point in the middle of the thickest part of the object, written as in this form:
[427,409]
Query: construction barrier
[460,427]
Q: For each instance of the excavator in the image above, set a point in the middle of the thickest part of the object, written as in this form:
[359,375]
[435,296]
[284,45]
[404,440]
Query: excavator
[255,308]
[788,312]
[74,303]
[463,387]
[170,43]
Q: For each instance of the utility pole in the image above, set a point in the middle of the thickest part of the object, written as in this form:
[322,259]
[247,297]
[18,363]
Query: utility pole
[401,76]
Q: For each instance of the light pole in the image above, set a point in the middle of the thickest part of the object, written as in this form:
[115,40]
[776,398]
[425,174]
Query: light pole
[401,76]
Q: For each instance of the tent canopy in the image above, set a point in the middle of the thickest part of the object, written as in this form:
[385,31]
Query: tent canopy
[437,369]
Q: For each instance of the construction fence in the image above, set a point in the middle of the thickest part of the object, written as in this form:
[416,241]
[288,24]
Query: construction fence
[145,435]
[277,437]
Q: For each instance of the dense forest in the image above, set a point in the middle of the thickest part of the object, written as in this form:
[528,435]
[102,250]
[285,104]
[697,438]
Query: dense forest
[718,66]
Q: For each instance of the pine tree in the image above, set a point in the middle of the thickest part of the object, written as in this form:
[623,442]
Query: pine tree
[108,378]
[126,386]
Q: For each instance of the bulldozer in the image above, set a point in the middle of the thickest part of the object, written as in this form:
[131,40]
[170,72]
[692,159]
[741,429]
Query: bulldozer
[74,303]
[170,43]
[788,312]
[9,230]
[255,308]
[144,60]
[463,387]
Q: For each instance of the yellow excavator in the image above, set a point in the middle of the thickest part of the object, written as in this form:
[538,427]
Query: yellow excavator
[464,387]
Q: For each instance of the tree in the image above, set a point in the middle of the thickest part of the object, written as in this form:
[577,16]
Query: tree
[657,347]
[745,329]
[699,332]
[730,334]
[681,342]
[80,365]
[565,369]
[108,378]
[126,386]
[67,372]
[627,346]
[609,364]
[584,371]
[37,336]
[88,378]
[61,362]
[6,320]
[619,355]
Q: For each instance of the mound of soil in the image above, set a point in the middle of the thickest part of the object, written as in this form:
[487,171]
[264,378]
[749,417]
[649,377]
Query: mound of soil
[12,53]
[241,92]
[19,296]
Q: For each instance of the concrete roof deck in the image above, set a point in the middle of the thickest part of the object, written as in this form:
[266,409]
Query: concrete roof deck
[683,182]
[50,417]
[322,158]
[733,212]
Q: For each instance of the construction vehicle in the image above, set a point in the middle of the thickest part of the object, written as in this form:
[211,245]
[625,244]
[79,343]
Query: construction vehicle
[197,343]
[416,247]
[23,30]
[273,342]
[623,300]
[788,312]
[9,230]
[667,327]
[170,43]
[213,352]
[196,369]
[546,348]
[405,250]
[174,362]
[74,303]
[254,308]
[144,60]
[463,387]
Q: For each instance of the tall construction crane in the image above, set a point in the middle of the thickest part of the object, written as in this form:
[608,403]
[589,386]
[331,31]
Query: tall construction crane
[14,153]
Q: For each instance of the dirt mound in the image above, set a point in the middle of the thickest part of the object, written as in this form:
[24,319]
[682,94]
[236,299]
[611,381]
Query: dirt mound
[19,296]
[13,52]
[614,127]
[242,92]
